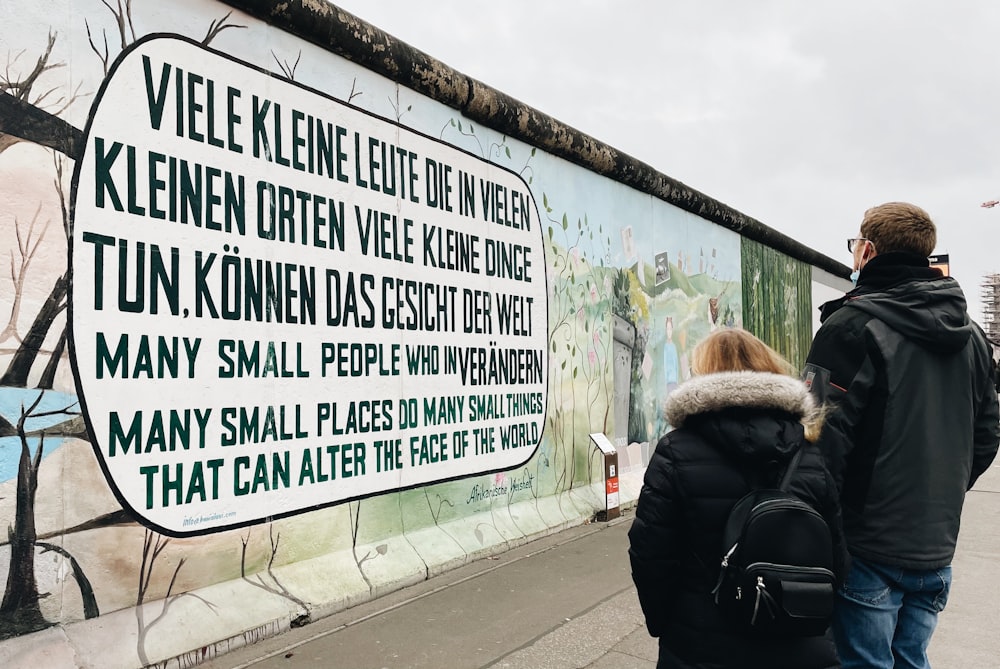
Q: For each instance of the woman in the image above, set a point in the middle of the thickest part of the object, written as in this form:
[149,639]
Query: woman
[739,419]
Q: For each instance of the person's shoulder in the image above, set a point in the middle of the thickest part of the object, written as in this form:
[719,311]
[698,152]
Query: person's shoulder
[678,438]
[670,449]
[845,321]
[813,474]
[840,343]
[683,447]
[813,459]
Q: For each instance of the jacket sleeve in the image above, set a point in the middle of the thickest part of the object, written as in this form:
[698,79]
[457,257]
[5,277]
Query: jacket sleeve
[986,429]
[843,380]
[654,541]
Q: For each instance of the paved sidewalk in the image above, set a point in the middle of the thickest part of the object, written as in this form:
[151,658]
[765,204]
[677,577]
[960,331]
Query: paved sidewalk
[563,601]
[567,602]
[966,637]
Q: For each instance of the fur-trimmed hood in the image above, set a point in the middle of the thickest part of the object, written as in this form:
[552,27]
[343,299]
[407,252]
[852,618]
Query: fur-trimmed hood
[752,416]
[752,390]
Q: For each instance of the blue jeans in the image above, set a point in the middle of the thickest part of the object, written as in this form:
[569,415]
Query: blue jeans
[885,615]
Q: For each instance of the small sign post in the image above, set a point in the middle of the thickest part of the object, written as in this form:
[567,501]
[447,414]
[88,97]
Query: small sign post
[611,508]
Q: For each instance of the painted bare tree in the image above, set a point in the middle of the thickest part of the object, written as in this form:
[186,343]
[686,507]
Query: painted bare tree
[19,609]
[27,246]
[31,344]
[29,110]
[153,545]
[354,510]
[29,115]
[277,588]
[27,89]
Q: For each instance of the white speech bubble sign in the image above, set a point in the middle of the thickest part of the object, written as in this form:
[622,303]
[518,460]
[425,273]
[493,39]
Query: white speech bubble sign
[281,302]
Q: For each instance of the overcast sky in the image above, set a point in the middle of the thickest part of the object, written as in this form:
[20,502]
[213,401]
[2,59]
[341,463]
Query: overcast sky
[799,114]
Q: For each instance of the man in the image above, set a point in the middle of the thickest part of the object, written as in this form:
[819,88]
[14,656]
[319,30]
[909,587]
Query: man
[913,422]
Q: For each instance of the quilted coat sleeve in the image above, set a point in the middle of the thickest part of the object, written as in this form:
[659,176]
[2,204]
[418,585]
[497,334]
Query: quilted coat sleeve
[654,541]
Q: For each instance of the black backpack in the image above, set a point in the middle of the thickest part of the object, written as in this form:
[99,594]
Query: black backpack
[777,575]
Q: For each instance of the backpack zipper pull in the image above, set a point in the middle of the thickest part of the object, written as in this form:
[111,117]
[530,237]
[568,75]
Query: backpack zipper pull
[722,573]
[763,596]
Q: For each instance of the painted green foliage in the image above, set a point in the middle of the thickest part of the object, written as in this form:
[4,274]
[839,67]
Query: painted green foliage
[580,344]
[777,299]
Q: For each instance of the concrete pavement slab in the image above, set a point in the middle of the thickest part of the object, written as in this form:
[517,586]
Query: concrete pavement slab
[581,641]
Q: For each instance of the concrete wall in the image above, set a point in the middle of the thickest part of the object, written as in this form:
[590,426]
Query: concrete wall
[297,315]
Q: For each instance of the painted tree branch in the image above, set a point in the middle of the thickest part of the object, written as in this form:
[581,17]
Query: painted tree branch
[280,590]
[216,27]
[26,247]
[22,120]
[20,609]
[31,119]
[20,365]
[90,607]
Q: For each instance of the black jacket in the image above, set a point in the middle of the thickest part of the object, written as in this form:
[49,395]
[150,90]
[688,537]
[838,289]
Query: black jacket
[734,431]
[915,419]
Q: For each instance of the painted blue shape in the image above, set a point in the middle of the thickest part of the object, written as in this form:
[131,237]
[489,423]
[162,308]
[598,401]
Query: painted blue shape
[61,406]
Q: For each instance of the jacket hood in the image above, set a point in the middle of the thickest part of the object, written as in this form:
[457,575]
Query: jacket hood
[931,313]
[750,415]
[904,292]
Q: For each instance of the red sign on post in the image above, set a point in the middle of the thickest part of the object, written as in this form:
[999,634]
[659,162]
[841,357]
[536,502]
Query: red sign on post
[611,501]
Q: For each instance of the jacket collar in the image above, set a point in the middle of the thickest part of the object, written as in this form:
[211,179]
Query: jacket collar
[890,269]
[884,271]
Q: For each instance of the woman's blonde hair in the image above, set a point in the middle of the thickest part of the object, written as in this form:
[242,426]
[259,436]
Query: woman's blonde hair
[736,350]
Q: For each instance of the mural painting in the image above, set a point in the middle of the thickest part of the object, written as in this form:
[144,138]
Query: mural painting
[265,306]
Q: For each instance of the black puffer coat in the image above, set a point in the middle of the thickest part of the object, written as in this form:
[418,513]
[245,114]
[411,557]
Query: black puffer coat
[734,431]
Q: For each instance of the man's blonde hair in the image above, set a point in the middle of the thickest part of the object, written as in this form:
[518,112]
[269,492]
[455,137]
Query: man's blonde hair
[899,226]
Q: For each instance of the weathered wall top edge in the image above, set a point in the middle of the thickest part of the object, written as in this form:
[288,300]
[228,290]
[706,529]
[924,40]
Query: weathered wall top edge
[340,32]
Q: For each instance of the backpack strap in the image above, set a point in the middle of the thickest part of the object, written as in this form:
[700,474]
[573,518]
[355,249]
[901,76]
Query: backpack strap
[793,464]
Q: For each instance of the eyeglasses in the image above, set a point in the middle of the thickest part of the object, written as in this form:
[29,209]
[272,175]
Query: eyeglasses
[853,243]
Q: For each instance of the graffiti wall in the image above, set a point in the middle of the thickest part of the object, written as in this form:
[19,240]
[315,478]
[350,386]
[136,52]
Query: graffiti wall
[282,334]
